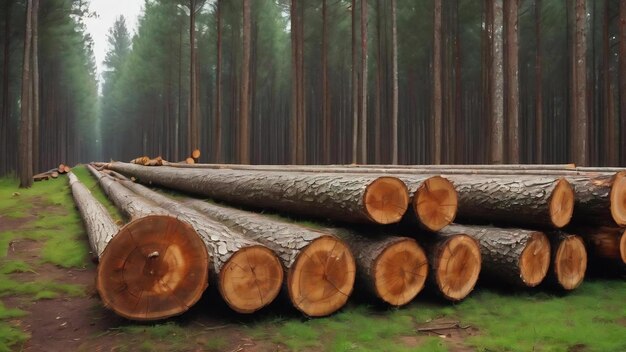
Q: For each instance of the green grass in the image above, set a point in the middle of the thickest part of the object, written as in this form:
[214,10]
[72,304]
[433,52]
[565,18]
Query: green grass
[15,266]
[170,336]
[38,289]
[9,334]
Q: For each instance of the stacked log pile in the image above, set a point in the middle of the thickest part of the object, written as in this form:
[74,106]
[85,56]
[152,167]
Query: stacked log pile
[52,173]
[385,229]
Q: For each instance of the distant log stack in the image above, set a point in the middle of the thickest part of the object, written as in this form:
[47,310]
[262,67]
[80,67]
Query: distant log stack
[52,173]
[248,274]
[393,268]
[569,260]
[454,261]
[346,198]
[320,267]
[514,256]
[153,268]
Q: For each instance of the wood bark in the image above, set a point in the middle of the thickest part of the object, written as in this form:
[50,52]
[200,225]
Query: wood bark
[346,198]
[394,89]
[578,125]
[600,200]
[25,147]
[512,79]
[568,261]
[248,274]
[99,225]
[622,81]
[156,266]
[35,82]
[454,264]
[326,122]
[363,85]
[218,86]
[295,246]
[513,256]
[5,111]
[538,86]
[244,109]
[497,86]
[355,85]
[193,128]
[392,268]
[437,92]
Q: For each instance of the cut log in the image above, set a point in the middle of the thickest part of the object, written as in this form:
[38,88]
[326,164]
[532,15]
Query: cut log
[608,243]
[195,154]
[393,268]
[320,268]
[514,256]
[347,198]
[600,200]
[434,201]
[54,174]
[41,177]
[99,225]
[66,169]
[61,168]
[190,161]
[155,267]
[544,202]
[248,274]
[569,260]
[455,263]
[142,160]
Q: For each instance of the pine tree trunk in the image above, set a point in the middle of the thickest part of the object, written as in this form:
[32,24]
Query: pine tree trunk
[364,82]
[35,97]
[514,256]
[394,90]
[326,123]
[314,289]
[437,92]
[347,198]
[538,86]
[218,87]
[244,109]
[512,80]
[355,90]
[497,87]
[25,147]
[579,119]
[622,81]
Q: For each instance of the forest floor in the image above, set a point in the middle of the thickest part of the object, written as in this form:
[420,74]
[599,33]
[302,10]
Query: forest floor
[48,303]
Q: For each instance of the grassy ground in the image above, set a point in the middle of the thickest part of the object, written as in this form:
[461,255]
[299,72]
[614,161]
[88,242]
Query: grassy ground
[592,318]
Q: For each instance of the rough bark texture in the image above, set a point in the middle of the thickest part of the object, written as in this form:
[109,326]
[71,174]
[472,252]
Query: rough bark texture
[437,92]
[394,89]
[568,260]
[369,249]
[454,262]
[523,201]
[600,200]
[338,197]
[512,80]
[497,87]
[295,244]
[244,109]
[98,223]
[223,243]
[363,85]
[578,136]
[502,249]
[25,148]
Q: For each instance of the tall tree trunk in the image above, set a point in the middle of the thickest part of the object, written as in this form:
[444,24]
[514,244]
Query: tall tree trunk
[25,147]
[5,111]
[244,110]
[394,90]
[609,130]
[622,80]
[295,106]
[35,97]
[538,87]
[437,92]
[218,87]
[302,150]
[355,89]
[364,81]
[579,120]
[325,97]
[496,86]
[193,129]
[512,80]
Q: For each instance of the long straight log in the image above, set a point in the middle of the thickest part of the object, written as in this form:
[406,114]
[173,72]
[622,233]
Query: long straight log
[568,260]
[347,198]
[153,268]
[454,262]
[513,256]
[320,267]
[600,193]
[392,268]
[99,225]
[248,274]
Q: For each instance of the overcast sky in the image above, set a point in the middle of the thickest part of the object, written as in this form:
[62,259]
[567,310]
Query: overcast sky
[108,11]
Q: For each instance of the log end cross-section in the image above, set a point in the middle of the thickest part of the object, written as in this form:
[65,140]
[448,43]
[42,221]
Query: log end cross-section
[400,272]
[618,199]
[457,267]
[534,261]
[154,268]
[251,279]
[622,247]
[435,203]
[569,262]
[386,200]
[562,204]
[322,277]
